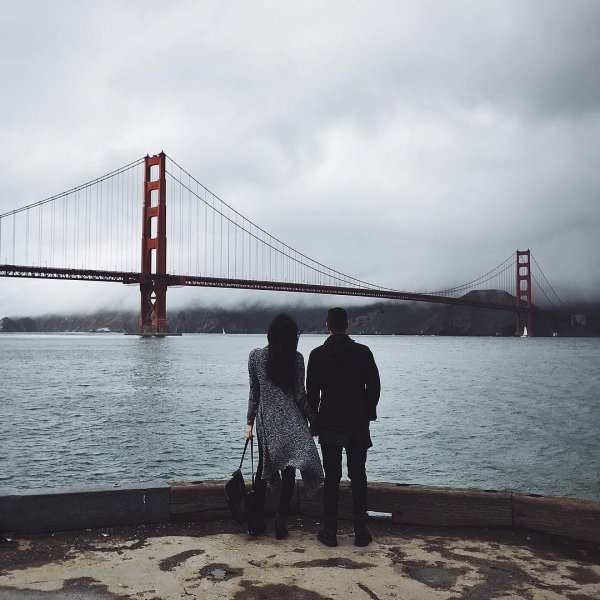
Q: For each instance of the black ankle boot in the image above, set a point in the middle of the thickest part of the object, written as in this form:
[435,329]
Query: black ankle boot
[328,532]
[362,536]
[281,530]
[256,523]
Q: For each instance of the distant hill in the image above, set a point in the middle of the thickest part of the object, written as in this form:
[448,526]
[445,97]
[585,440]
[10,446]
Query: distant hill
[385,318]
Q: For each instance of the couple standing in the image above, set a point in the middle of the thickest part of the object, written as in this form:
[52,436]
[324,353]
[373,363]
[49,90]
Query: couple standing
[343,391]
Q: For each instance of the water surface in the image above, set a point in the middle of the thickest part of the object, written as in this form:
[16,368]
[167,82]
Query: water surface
[495,413]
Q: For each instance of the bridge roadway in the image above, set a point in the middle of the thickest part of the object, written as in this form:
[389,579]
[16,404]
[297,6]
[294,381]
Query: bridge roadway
[132,278]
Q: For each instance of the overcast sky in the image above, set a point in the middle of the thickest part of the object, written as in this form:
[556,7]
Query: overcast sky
[414,145]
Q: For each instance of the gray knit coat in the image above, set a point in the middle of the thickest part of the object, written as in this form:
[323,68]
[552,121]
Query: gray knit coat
[281,424]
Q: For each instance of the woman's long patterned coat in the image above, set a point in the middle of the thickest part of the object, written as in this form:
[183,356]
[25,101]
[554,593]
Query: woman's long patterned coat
[281,423]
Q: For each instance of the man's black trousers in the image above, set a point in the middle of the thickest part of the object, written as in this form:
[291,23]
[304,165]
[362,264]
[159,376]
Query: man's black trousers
[356,458]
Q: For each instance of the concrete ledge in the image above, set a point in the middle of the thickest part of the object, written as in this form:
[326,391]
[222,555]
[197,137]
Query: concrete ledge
[199,500]
[424,505]
[43,510]
[206,500]
[569,517]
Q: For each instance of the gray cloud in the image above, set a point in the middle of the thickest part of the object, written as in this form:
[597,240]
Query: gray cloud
[412,144]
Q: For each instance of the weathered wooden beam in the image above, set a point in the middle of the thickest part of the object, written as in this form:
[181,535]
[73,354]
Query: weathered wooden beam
[62,509]
[43,510]
[206,499]
[568,517]
[425,505]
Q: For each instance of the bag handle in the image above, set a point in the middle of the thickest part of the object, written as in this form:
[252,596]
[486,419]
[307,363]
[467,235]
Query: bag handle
[244,452]
[251,440]
[252,458]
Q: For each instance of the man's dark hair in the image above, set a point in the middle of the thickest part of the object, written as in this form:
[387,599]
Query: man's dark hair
[337,320]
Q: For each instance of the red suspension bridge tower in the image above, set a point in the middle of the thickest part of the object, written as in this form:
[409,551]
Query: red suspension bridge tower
[153,286]
[523,292]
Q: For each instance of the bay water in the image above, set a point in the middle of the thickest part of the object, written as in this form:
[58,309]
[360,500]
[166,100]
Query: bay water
[494,413]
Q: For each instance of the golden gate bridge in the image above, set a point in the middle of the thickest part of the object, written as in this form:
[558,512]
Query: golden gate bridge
[92,233]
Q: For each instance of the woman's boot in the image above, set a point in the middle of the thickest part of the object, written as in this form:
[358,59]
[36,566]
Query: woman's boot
[256,523]
[281,530]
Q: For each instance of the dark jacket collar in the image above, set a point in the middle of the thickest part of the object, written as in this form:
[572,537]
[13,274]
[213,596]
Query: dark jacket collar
[338,342]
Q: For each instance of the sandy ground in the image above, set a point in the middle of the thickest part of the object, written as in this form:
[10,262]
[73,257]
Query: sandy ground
[218,560]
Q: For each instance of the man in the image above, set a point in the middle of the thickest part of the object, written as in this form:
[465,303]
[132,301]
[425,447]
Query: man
[343,388]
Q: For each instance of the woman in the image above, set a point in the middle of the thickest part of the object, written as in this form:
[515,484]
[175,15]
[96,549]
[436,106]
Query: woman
[280,407]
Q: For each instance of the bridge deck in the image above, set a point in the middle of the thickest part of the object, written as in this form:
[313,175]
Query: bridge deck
[130,278]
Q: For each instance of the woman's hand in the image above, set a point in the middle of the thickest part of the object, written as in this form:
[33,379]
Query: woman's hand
[248,432]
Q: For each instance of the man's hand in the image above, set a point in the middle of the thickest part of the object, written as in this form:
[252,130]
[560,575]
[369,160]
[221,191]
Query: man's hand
[248,432]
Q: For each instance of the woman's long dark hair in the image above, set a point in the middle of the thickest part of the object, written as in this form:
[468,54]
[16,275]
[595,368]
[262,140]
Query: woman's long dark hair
[281,360]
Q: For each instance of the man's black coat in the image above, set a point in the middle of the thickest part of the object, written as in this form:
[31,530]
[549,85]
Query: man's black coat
[343,387]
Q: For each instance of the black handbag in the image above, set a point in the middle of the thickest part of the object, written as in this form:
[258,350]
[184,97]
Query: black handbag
[238,499]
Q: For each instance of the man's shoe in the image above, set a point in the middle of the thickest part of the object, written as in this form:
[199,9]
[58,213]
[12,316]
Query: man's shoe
[281,530]
[362,536]
[328,533]
[363,539]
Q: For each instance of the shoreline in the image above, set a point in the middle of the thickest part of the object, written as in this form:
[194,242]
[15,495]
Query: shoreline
[62,509]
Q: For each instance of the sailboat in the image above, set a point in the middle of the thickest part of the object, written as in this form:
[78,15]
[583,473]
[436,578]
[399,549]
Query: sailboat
[525,334]
[223,331]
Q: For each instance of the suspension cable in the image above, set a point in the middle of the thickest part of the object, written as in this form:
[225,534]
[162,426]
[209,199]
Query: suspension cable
[338,275]
[547,282]
[75,189]
[481,279]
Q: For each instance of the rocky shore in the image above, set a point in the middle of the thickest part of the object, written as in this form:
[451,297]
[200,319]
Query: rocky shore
[382,318]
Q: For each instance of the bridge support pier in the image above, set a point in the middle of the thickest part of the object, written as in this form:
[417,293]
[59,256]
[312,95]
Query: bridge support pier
[153,289]
[523,293]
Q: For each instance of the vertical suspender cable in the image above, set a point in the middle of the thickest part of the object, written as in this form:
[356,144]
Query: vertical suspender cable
[243,246]
[181,248]
[64,231]
[14,237]
[76,235]
[189,203]
[99,202]
[39,236]
[235,246]
[52,219]
[27,238]
[228,245]
[198,228]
